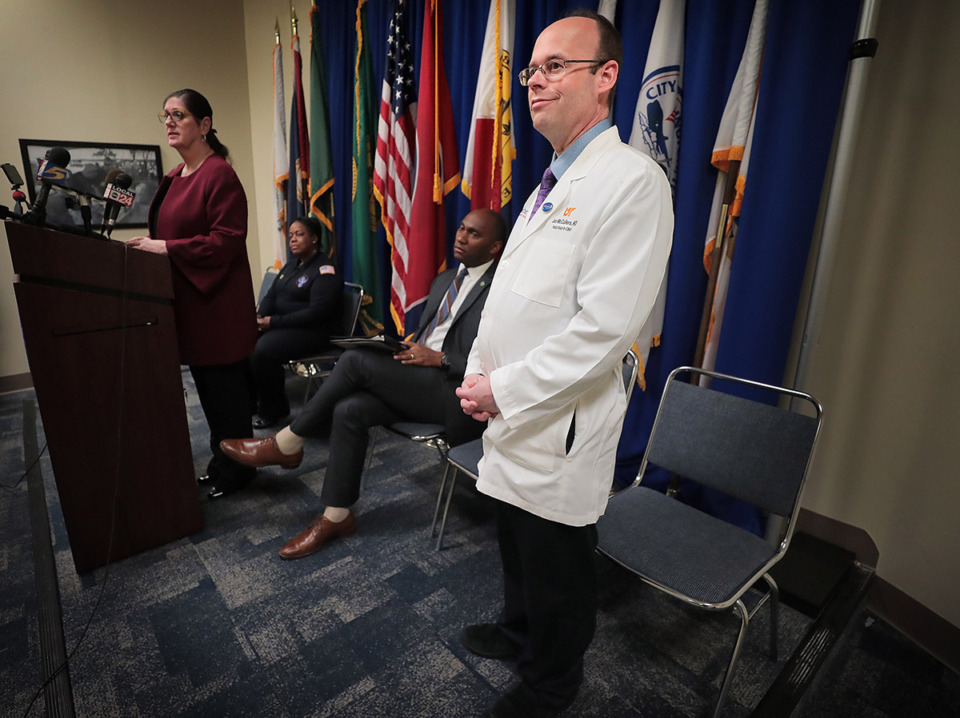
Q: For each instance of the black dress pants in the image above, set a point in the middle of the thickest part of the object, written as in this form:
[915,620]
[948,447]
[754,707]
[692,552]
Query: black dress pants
[367,388]
[273,348]
[550,601]
[224,393]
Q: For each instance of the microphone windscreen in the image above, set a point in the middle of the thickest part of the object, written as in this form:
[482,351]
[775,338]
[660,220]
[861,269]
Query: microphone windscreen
[123,180]
[58,156]
[112,176]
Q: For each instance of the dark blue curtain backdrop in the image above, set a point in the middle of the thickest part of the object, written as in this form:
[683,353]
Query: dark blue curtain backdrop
[804,65]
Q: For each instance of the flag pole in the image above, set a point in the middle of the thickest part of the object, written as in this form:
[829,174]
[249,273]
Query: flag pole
[276,30]
[721,244]
[864,48]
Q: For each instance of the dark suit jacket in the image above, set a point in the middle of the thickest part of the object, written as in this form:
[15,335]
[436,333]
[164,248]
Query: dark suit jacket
[456,345]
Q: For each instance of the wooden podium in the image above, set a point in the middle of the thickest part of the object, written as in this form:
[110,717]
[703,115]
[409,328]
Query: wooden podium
[98,327]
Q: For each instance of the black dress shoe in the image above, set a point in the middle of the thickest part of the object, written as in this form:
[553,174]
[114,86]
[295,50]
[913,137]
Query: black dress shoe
[224,487]
[489,641]
[205,479]
[261,423]
[518,703]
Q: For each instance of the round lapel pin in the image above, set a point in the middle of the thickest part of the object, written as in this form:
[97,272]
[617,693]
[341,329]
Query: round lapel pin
[547,206]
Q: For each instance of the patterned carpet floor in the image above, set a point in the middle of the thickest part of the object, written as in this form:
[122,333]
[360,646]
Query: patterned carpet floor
[216,624]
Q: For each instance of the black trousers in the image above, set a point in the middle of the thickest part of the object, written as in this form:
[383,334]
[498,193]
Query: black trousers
[273,348]
[550,601]
[367,388]
[224,393]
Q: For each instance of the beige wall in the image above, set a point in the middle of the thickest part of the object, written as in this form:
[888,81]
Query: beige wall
[98,70]
[884,365]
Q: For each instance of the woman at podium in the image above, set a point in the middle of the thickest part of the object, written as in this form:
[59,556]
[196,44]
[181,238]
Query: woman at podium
[198,218]
[296,317]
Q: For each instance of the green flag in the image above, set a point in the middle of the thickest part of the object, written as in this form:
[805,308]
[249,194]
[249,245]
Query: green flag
[366,265]
[321,159]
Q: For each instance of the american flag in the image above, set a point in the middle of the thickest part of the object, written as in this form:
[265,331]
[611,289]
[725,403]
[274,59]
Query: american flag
[392,173]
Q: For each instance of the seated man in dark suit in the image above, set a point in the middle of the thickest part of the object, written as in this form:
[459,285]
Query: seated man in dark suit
[370,388]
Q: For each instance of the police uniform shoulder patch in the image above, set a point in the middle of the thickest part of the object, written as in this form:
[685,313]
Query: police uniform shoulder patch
[327,269]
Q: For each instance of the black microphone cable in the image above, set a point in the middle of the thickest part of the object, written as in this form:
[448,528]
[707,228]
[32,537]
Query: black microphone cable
[13,487]
[116,491]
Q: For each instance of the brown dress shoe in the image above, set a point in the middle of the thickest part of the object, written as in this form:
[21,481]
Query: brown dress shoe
[317,535]
[260,452]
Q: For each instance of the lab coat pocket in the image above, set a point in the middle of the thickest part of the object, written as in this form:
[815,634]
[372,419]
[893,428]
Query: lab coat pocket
[544,275]
[537,445]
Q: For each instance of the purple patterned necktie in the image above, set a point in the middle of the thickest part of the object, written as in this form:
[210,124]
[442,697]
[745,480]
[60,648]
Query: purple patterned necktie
[546,184]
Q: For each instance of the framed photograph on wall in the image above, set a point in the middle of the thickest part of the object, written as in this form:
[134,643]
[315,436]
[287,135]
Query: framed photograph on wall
[87,171]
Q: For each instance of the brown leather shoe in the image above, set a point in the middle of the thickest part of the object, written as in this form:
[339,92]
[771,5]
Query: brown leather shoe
[260,452]
[317,535]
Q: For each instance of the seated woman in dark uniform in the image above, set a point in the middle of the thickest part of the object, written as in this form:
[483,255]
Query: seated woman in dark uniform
[296,317]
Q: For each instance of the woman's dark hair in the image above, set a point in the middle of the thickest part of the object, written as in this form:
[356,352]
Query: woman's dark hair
[314,227]
[198,106]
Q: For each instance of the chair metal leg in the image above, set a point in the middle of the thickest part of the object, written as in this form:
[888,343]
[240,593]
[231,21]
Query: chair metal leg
[728,678]
[443,486]
[774,615]
[446,508]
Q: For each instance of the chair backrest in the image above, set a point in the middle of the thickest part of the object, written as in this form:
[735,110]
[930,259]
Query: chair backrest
[630,367]
[750,450]
[352,299]
[269,277]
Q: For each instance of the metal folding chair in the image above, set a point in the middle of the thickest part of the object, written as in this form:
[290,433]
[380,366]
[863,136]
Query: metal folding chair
[746,448]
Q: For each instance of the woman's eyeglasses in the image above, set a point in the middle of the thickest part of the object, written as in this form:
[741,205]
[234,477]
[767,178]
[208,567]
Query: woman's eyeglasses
[175,115]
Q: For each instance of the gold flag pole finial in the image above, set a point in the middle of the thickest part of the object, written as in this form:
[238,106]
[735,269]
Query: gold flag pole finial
[293,19]
[276,30]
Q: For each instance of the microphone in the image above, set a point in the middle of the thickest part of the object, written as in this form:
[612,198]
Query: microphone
[117,196]
[53,169]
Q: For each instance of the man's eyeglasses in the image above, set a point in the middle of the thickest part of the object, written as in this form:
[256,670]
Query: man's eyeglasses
[175,115]
[551,69]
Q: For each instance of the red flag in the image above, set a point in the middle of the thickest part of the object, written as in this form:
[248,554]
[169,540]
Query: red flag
[438,170]
[487,178]
[393,167]
[298,188]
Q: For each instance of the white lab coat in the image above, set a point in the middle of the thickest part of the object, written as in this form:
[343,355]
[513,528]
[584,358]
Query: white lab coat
[573,288]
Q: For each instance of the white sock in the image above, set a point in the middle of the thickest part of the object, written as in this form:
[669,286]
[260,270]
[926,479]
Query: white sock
[336,514]
[288,442]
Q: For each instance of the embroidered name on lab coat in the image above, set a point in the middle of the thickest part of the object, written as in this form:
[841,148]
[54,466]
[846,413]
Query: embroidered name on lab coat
[563,224]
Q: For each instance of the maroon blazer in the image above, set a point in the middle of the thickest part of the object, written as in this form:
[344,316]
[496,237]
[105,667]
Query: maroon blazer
[203,218]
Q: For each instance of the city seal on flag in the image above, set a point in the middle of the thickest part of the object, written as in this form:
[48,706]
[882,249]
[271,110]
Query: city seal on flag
[661,132]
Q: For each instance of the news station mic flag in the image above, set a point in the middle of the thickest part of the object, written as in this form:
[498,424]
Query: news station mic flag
[393,166]
[53,169]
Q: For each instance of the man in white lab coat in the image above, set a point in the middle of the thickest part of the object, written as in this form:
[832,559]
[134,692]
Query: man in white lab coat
[579,277]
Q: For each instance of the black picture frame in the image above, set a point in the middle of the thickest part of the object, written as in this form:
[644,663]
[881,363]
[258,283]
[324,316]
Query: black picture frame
[89,164]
